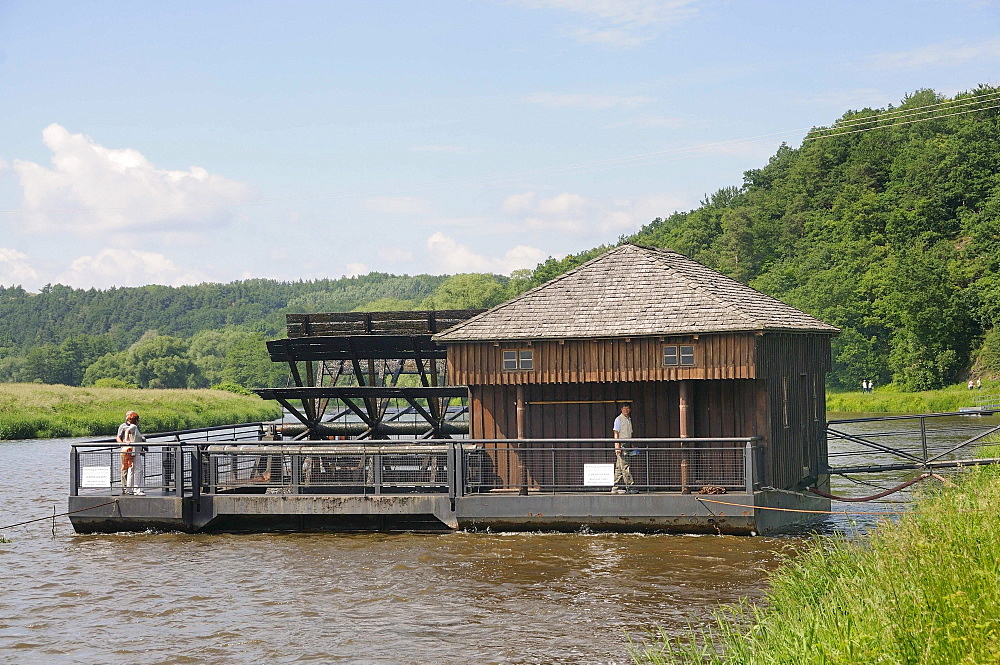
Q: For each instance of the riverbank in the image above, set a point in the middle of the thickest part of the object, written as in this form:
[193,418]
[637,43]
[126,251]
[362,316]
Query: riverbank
[887,400]
[31,410]
[925,589]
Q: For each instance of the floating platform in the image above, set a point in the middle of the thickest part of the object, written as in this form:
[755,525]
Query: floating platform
[432,486]
[645,512]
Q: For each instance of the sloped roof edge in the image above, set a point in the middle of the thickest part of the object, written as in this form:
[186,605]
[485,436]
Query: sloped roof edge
[726,305]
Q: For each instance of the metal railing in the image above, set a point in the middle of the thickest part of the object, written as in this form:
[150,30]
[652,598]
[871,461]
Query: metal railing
[329,469]
[645,465]
[991,401]
[455,467]
[896,443]
[240,432]
[169,469]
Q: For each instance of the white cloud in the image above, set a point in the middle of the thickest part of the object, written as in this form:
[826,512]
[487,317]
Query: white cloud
[356,269]
[15,269]
[573,214]
[620,23]
[454,257]
[586,101]
[395,205]
[127,267]
[394,254]
[945,54]
[96,189]
[520,203]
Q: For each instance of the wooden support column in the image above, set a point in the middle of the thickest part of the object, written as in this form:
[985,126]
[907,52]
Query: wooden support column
[686,411]
[521,435]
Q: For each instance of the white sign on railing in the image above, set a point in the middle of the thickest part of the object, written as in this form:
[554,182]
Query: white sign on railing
[599,475]
[95,476]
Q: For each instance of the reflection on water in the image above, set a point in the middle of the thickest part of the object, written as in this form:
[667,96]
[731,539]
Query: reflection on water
[371,598]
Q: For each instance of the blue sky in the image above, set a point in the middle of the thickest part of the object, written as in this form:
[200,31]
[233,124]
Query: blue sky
[183,142]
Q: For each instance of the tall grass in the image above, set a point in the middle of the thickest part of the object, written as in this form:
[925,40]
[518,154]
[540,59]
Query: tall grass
[924,590]
[29,410]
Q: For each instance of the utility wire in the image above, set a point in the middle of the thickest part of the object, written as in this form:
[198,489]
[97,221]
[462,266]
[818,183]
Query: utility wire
[912,111]
[898,124]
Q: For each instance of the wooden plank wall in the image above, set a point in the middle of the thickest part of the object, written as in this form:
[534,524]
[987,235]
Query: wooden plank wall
[794,368]
[728,356]
[722,408]
[790,370]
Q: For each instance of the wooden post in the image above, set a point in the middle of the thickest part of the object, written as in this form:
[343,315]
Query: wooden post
[685,411]
[520,439]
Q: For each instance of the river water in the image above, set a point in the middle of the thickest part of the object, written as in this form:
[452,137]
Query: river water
[356,598]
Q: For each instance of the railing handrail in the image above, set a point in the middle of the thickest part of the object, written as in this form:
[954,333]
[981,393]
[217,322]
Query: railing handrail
[198,430]
[455,453]
[908,416]
[992,398]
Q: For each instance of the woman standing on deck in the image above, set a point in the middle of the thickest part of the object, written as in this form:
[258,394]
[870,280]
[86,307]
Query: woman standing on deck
[129,434]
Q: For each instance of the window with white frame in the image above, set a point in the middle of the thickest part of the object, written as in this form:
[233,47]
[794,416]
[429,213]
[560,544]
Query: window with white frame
[678,355]
[518,359]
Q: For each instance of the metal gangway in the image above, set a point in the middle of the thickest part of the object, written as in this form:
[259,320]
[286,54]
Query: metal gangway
[925,442]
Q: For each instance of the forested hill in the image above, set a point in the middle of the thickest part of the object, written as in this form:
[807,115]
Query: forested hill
[59,312]
[193,336]
[885,224]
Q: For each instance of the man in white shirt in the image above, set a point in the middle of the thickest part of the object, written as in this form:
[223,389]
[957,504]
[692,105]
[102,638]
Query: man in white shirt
[623,430]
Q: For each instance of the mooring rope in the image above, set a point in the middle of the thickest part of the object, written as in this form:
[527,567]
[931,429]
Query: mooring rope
[52,517]
[889,491]
[803,510]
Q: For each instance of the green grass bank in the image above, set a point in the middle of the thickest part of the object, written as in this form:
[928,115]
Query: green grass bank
[888,400]
[31,410]
[923,590]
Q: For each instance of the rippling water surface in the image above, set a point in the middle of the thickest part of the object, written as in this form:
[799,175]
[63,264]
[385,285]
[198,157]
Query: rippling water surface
[358,598]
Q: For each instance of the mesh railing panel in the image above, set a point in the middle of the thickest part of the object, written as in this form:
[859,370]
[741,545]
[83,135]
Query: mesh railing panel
[503,467]
[154,469]
[485,466]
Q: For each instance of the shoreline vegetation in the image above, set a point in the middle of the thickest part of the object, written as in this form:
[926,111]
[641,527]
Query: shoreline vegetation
[36,411]
[923,589]
[889,400]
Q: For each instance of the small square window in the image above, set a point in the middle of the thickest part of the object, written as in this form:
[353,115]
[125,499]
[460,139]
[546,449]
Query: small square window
[669,355]
[510,359]
[687,355]
[525,358]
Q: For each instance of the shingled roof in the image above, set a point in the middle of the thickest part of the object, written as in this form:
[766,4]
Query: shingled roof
[634,291]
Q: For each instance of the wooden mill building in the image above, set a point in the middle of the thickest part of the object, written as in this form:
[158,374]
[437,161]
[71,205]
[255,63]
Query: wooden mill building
[696,354]
[726,386]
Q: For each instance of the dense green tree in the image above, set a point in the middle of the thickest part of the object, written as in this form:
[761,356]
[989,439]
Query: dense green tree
[466,291]
[248,364]
[155,361]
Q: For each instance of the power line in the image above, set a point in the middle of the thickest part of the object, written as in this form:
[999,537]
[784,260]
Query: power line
[898,124]
[912,111]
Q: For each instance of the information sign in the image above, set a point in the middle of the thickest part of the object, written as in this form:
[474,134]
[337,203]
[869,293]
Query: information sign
[95,476]
[598,475]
